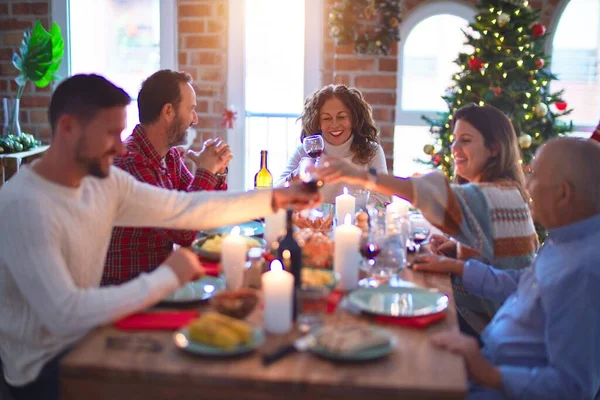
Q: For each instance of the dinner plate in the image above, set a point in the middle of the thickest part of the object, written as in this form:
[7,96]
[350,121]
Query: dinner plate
[363,355]
[250,228]
[182,340]
[216,255]
[399,301]
[199,290]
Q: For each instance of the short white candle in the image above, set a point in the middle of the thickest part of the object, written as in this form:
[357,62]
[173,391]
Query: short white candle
[344,204]
[346,255]
[397,208]
[278,291]
[275,226]
[233,258]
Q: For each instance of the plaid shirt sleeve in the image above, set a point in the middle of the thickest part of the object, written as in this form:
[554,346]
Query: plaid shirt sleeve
[147,173]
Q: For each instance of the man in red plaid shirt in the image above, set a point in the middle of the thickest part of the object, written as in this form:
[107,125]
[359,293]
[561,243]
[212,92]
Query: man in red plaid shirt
[167,108]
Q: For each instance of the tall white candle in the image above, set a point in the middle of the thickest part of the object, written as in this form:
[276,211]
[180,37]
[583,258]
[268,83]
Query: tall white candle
[344,204]
[346,255]
[274,227]
[233,258]
[278,291]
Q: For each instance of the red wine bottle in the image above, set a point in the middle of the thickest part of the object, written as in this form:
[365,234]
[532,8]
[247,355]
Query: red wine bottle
[290,254]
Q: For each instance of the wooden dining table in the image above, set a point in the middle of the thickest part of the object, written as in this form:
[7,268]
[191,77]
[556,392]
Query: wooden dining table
[414,370]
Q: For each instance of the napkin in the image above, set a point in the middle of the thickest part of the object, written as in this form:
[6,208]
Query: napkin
[333,300]
[211,268]
[336,296]
[157,320]
[415,322]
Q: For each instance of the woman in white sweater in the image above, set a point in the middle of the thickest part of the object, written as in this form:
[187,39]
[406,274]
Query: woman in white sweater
[345,120]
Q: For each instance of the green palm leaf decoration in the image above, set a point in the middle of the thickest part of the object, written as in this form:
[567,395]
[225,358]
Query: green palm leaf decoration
[41,55]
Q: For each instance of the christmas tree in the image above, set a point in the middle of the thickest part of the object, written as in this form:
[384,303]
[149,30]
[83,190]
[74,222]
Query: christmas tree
[508,70]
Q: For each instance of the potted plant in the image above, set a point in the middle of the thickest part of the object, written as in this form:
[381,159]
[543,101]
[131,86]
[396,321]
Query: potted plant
[41,53]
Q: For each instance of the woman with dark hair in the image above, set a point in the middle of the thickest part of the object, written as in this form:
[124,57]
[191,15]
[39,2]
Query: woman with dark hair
[344,119]
[485,209]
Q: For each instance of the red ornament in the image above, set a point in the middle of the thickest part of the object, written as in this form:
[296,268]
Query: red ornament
[538,30]
[596,135]
[561,105]
[497,91]
[436,160]
[228,117]
[539,63]
[476,63]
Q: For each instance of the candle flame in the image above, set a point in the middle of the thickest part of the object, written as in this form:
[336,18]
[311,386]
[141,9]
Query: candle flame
[235,231]
[347,219]
[345,190]
[276,266]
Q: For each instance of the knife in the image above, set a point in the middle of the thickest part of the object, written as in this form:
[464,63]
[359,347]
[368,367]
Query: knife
[302,344]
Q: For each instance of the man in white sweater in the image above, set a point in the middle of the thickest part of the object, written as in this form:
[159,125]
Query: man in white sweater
[57,217]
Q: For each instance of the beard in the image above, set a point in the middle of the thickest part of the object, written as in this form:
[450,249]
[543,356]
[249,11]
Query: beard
[177,133]
[91,165]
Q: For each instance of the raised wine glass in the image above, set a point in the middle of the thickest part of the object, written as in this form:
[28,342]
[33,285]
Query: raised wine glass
[314,146]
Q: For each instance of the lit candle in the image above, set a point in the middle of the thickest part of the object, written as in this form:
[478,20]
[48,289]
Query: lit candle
[274,227]
[395,212]
[344,204]
[346,256]
[233,258]
[397,208]
[278,291]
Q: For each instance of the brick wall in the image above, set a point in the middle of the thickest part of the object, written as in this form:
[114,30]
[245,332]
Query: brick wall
[203,53]
[375,76]
[202,28]
[15,17]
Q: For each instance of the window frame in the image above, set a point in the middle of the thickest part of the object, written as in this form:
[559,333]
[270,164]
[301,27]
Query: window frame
[168,34]
[236,72]
[549,49]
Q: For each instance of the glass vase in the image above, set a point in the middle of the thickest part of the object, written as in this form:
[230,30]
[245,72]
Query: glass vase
[11,117]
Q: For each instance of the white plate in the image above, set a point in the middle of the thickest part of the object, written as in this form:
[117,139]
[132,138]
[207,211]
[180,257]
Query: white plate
[199,290]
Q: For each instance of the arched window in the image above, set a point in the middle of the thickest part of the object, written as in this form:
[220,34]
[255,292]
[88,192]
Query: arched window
[576,62]
[432,39]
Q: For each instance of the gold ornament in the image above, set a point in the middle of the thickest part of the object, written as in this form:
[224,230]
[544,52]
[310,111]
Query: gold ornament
[378,43]
[332,17]
[394,22]
[428,149]
[540,110]
[525,141]
[503,19]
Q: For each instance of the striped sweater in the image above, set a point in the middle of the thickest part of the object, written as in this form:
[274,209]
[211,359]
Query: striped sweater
[492,219]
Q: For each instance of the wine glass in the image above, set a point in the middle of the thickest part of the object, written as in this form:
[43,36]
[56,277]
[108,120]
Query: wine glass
[420,230]
[314,146]
[309,178]
[371,245]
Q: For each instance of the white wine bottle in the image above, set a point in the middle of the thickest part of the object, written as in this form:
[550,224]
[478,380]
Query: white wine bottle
[263,179]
